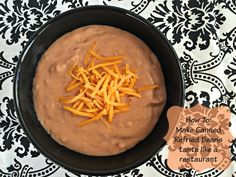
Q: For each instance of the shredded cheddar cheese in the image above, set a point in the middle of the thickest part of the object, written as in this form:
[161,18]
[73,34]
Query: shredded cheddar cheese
[148,87]
[100,86]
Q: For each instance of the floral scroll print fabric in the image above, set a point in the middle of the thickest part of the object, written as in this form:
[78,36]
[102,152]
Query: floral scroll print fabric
[203,33]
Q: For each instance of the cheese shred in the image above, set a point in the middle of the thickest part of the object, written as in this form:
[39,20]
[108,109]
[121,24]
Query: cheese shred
[101,87]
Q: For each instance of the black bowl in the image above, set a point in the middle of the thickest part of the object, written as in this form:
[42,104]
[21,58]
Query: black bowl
[44,37]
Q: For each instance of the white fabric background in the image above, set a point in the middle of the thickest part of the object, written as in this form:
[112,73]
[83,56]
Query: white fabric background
[200,31]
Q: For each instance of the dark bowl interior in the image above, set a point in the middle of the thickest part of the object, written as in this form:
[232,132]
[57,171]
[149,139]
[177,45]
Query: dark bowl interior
[44,37]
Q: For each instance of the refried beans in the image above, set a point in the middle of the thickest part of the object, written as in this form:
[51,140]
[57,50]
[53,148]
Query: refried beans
[127,128]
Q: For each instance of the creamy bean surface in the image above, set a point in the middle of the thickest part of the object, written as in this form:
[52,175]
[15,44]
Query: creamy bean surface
[128,128]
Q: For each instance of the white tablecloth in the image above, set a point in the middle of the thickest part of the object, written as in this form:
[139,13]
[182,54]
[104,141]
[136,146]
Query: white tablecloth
[203,33]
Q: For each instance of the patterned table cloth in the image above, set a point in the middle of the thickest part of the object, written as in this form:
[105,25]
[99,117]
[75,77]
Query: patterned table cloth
[203,33]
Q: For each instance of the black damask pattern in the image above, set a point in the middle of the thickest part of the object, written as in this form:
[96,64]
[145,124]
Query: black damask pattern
[228,4]
[195,20]
[19,170]
[194,25]
[141,6]
[8,66]
[194,98]
[23,18]
[75,3]
[136,6]
[195,71]
[11,131]
[231,72]
[134,173]
[233,150]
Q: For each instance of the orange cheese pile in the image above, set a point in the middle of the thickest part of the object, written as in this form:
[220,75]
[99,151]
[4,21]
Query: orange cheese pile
[99,88]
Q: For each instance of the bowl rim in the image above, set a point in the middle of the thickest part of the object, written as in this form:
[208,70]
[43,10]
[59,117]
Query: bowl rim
[17,75]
